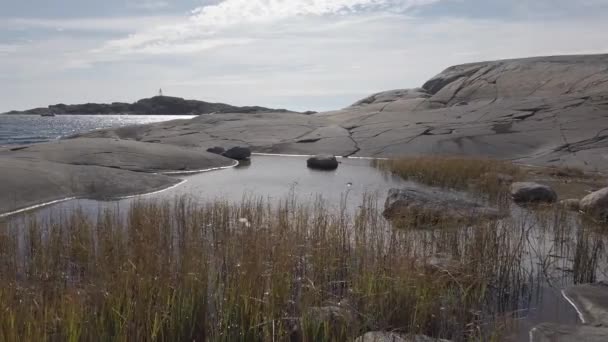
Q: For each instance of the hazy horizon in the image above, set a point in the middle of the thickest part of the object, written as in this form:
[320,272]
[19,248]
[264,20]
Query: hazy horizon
[296,54]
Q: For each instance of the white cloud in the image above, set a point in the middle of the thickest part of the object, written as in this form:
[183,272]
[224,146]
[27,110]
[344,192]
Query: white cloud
[230,15]
[149,5]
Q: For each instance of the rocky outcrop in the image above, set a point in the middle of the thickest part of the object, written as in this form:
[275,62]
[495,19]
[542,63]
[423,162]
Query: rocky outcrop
[547,111]
[322,162]
[158,105]
[596,204]
[432,204]
[530,192]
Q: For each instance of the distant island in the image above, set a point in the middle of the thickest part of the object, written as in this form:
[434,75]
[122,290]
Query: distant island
[157,105]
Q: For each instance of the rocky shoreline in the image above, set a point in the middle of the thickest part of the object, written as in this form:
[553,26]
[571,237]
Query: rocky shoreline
[549,111]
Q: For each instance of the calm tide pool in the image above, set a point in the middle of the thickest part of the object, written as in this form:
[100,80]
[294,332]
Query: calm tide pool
[546,254]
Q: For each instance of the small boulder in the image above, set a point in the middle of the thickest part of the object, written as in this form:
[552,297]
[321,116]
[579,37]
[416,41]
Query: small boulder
[382,336]
[530,192]
[238,153]
[571,204]
[216,150]
[596,204]
[323,162]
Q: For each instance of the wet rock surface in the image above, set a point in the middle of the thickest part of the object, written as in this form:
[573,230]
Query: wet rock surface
[322,162]
[405,202]
[530,192]
[591,302]
[596,204]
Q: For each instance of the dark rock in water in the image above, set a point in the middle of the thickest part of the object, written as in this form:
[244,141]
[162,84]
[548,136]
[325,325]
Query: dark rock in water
[596,204]
[381,336]
[529,192]
[216,150]
[551,332]
[323,162]
[591,302]
[434,203]
[571,204]
[238,153]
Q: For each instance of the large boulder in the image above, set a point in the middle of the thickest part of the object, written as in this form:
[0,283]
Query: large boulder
[426,204]
[596,204]
[530,192]
[238,153]
[382,336]
[322,162]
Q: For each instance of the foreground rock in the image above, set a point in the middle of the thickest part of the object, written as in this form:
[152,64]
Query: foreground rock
[434,204]
[596,204]
[238,153]
[529,192]
[29,182]
[322,162]
[546,111]
[591,302]
[380,336]
[93,168]
[122,154]
[549,332]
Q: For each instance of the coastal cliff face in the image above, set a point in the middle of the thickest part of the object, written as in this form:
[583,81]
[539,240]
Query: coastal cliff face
[158,105]
[548,111]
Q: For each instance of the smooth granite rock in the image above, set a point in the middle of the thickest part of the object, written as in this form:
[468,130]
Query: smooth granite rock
[29,182]
[530,192]
[551,332]
[435,202]
[382,336]
[322,162]
[93,168]
[216,150]
[546,111]
[596,204]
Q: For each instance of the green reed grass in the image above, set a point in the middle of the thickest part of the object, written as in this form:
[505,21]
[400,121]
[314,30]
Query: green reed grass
[177,271]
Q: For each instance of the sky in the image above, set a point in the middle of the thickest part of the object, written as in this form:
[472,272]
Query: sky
[295,54]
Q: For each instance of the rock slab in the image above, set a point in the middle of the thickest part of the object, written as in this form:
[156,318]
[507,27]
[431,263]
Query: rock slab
[382,336]
[550,332]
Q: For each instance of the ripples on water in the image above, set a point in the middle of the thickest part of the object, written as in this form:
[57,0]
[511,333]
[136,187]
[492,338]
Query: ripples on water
[29,129]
